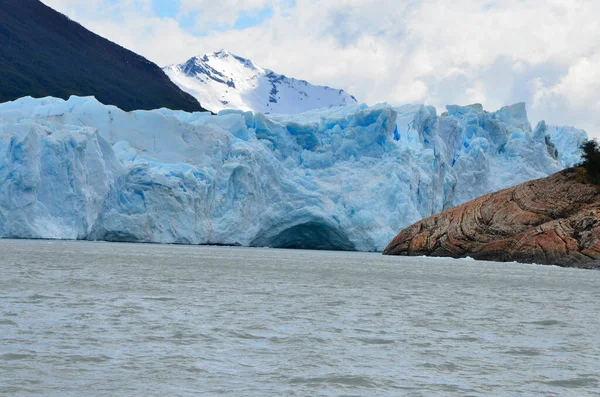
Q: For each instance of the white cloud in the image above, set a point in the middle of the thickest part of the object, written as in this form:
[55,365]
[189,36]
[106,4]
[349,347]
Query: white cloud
[544,52]
[224,13]
[578,90]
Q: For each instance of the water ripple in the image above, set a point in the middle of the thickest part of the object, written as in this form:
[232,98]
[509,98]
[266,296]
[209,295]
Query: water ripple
[106,319]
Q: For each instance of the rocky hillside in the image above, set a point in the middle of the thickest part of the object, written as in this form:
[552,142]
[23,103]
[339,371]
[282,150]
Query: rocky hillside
[44,53]
[554,221]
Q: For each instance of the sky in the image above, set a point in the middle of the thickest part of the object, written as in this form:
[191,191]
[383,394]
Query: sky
[494,52]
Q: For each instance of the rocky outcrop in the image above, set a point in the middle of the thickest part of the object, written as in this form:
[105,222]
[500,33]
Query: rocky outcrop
[554,221]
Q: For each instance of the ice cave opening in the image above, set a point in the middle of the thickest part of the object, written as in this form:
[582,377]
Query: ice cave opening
[313,235]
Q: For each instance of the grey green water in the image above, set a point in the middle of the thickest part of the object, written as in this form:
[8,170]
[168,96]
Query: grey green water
[100,319]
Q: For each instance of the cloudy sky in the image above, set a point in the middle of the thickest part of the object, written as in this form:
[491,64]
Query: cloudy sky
[496,52]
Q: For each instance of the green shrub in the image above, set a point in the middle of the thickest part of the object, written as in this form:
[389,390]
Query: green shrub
[581,176]
[591,160]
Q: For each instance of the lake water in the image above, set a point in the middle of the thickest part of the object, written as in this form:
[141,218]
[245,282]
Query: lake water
[101,319]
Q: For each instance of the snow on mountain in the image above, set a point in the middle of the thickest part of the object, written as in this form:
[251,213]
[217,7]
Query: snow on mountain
[340,178]
[225,81]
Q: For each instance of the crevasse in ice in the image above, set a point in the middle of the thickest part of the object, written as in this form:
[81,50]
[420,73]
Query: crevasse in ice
[342,178]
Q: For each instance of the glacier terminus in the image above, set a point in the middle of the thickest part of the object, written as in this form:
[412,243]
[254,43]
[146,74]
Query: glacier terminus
[344,178]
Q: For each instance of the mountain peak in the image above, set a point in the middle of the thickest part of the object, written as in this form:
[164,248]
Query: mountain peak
[223,80]
[221,54]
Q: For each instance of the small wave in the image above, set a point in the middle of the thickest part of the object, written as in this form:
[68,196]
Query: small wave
[16,356]
[159,298]
[187,339]
[342,380]
[545,323]
[40,297]
[245,335]
[376,341]
[524,352]
[573,383]
[463,339]
[446,367]
[87,359]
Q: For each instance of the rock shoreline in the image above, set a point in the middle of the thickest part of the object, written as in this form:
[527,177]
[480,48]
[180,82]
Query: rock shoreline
[553,221]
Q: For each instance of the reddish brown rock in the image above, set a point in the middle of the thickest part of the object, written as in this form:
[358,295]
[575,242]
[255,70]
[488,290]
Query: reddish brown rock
[555,221]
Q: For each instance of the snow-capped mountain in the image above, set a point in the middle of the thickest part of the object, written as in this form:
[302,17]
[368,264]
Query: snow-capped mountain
[348,177]
[222,80]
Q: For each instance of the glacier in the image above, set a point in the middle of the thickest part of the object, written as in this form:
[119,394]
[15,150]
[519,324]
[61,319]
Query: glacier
[345,178]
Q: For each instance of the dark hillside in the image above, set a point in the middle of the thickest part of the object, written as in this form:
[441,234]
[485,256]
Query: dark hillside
[44,53]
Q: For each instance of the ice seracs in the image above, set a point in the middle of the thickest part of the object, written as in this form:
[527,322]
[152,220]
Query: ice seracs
[222,80]
[341,178]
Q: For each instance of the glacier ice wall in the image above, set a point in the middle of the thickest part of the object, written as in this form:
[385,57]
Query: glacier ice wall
[343,178]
